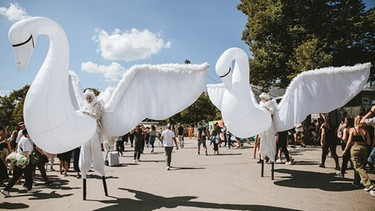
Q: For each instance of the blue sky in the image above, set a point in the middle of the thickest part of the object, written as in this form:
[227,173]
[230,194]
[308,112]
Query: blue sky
[174,30]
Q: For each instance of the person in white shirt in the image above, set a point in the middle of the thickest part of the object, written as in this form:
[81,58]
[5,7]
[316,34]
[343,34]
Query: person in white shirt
[21,126]
[168,138]
[25,147]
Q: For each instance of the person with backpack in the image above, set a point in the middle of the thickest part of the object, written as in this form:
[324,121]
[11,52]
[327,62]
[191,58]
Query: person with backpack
[201,137]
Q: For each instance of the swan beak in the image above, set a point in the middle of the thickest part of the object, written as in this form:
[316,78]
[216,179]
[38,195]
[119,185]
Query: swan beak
[23,52]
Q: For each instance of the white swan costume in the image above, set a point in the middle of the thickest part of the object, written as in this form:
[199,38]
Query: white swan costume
[267,138]
[91,150]
[52,113]
[316,91]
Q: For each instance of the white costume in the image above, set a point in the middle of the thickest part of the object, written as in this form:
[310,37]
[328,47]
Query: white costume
[52,106]
[90,151]
[267,138]
[315,91]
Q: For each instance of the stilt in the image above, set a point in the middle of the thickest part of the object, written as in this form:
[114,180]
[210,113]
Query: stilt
[272,170]
[84,189]
[262,166]
[105,186]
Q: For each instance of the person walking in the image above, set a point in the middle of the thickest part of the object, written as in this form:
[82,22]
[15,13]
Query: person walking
[282,139]
[76,153]
[358,138]
[328,142]
[215,138]
[64,158]
[152,138]
[25,147]
[349,123]
[201,137]
[180,135]
[228,138]
[131,138]
[120,145]
[168,138]
[256,147]
[41,160]
[138,141]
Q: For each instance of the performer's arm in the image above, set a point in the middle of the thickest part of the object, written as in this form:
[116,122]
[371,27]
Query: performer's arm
[369,118]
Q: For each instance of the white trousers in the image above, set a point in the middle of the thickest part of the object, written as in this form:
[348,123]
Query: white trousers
[268,143]
[91,153]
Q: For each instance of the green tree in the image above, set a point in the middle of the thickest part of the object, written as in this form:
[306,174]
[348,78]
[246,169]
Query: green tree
[291,36]
[202,109]
[308,56]
[11,109]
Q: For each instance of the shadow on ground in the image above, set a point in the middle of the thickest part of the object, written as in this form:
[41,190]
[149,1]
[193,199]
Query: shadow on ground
[308,179]
[147,202]
[13,206]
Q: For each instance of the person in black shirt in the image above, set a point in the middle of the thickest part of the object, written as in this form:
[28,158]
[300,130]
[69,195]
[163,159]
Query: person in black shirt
[180,135]
[201,137]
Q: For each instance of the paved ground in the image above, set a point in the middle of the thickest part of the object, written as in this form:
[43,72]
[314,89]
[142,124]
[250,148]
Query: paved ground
[229,181]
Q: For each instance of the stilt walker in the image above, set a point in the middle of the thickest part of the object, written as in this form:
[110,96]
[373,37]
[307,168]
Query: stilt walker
[268,137]
[90,151]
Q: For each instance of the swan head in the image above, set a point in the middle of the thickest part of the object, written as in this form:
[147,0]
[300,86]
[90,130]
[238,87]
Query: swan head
[23,43]
[233,68]
[224,69]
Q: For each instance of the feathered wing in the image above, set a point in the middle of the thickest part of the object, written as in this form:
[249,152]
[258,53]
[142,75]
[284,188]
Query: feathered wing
[152,91]
[319,91]
[76,90]
[215,93]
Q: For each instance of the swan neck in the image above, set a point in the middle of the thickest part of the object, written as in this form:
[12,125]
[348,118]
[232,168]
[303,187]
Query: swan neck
[58,51]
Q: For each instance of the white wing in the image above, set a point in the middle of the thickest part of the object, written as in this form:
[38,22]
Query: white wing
[319,91]
[215,93]
[152,91]
[75,89]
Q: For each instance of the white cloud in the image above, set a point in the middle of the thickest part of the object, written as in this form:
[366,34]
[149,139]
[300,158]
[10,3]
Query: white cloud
[14,12]
[112,72]
[130,45]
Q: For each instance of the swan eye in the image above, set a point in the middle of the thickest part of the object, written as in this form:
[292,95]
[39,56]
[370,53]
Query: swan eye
[23,43]
[222,76]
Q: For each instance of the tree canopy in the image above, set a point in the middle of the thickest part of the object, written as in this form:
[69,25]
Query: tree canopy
[289,37]
[201,109]
[11,109]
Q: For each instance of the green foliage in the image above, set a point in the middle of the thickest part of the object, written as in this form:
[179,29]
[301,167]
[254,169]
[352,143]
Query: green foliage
[11,109]
[309,55]
[291,36]
[202,109]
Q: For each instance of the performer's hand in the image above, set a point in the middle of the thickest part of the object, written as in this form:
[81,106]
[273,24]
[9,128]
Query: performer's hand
[373,109]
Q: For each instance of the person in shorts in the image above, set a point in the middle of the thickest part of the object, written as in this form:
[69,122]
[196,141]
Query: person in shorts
[201,137]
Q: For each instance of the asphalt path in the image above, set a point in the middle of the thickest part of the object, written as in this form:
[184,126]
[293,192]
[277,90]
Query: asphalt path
[228,181]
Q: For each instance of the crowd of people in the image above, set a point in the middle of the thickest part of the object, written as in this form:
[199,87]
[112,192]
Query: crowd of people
[19,143]
[354,135]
